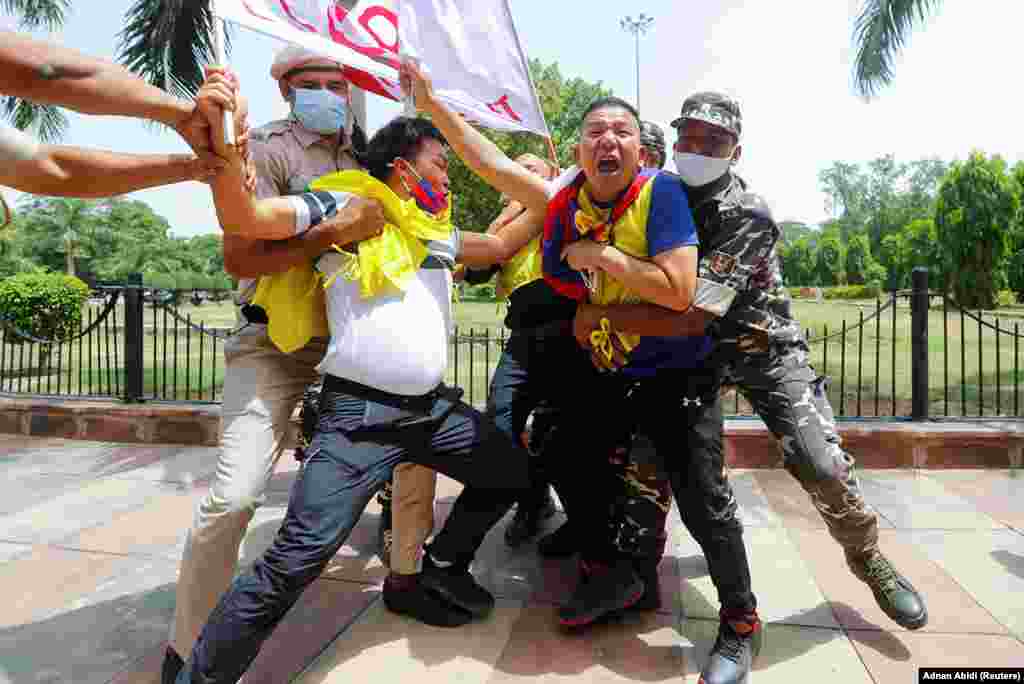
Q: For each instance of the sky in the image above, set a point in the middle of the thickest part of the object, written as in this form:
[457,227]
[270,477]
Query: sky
[787,62]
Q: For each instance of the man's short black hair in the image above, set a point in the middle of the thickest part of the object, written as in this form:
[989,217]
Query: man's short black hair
[608,103]
[401,137]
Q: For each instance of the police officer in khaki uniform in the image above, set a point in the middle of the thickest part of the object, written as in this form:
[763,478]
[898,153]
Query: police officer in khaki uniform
[261,384]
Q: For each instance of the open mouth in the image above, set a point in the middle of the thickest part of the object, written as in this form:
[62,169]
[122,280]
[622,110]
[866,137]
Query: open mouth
[608,166]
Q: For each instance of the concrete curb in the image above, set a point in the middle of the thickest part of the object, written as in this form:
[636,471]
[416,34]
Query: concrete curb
[875,444]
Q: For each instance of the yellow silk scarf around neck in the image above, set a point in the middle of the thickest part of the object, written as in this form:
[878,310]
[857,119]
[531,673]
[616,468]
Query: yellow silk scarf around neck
[294,300]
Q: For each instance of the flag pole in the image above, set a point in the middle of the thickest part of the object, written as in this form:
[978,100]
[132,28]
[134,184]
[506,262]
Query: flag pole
[218,57]
[552,152]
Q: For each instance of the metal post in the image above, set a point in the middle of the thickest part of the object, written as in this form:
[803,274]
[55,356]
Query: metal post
[133,338]
[919,343]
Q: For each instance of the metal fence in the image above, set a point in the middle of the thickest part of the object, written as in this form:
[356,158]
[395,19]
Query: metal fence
[913,354]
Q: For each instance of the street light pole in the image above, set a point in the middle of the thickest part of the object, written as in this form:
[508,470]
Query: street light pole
[637,27]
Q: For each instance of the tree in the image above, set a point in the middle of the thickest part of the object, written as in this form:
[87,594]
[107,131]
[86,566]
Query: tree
[829,263]
[34,14]
[880,32]
[563,102]
[791,231]
[799,262]
[860,265]
[974,215]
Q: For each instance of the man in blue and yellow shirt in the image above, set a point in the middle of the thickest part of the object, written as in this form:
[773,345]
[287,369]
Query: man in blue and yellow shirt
[631,247]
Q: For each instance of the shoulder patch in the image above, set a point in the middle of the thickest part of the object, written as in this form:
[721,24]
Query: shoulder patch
[269,130]
[755,204]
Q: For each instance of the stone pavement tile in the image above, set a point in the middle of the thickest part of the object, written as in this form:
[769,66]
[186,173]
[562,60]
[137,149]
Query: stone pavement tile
[755,509]
[356,560]
[897,657]
[9,552]
[988,564]
[784,585]
[791,503]
[790,654]
[82,617]
[636,647]
[911,500]
[12,444]
[56,457]
[323,612]
[998,494]
[381,646]
[157,528]
[17,494]
[177,464]
[950,608]
[93,503]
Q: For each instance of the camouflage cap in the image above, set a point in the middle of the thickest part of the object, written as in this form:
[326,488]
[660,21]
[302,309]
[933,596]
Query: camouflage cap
[653,138]
[713,108]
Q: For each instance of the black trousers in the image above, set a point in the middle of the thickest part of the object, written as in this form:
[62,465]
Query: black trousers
[678,415]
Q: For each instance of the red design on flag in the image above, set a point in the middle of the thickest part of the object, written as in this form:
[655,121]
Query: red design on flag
[383,53]
[295,20]
[501,107]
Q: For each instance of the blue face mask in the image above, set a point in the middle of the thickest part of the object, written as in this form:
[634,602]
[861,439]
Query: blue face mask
[320,111]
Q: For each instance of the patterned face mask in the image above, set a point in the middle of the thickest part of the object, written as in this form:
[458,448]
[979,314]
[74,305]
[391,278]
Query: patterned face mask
[427,198]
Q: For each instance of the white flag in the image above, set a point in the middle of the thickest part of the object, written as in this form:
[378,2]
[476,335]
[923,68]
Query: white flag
[469,48]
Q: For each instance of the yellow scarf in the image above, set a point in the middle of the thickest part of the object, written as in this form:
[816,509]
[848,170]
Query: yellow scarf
[294,300]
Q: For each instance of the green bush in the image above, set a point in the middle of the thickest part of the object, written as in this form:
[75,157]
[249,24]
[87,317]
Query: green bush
[853,292]
[481,293]
[46,305]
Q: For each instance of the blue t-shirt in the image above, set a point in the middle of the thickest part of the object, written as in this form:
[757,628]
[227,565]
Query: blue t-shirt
[669,225]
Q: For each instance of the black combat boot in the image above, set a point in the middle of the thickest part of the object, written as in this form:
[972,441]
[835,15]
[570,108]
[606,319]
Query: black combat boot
[895,595]
[602,590]
[385,538]
[171,667]
[739,641]
[527,520]
[561,543]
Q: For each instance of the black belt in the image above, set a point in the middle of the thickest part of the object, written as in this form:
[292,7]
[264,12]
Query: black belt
[332,383]
[255,314]
[552,329]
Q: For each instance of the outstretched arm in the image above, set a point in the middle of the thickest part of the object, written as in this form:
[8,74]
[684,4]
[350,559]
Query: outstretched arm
[481,155]
[46,73]
[486,249]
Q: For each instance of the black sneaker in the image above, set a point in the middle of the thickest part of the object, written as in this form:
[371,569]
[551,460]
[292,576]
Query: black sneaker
[527,520]
[560,543]
[651,600]
[456,585]
[895,595]
[385,537]
[738,644]
[423,605]
[172,666]
[602,590]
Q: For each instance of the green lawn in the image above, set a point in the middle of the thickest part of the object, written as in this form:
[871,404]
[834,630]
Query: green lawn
[180,370]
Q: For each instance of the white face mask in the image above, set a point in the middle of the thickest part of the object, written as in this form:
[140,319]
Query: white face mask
[697,170]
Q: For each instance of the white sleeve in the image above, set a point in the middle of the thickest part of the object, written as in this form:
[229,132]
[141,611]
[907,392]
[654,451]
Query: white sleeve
[313,208]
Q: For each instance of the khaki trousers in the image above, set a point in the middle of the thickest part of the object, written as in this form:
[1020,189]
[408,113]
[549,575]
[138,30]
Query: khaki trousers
[412,514]
[262,386]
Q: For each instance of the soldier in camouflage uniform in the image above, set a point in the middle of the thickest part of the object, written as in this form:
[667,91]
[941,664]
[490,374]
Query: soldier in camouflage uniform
[653,140]
[761,345]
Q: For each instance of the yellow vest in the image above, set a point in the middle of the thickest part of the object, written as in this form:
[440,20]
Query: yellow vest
[522,269]
[628,235]
[294,300]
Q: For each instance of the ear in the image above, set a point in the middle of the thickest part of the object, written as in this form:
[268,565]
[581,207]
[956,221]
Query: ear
[645,157]
[737,153]
[285,89]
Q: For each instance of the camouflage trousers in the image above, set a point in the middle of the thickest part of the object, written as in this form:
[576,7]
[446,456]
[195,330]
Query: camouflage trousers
[791,399]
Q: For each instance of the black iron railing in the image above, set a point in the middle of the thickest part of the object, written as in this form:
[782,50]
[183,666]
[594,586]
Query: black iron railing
[913,354]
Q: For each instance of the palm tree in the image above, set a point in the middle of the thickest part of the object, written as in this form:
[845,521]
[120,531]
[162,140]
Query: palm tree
[880,33]
[34,14]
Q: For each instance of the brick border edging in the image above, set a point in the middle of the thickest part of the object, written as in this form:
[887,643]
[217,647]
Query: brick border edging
[978,444]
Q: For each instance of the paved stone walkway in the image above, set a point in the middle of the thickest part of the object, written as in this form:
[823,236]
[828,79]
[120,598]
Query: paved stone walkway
[90,535]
